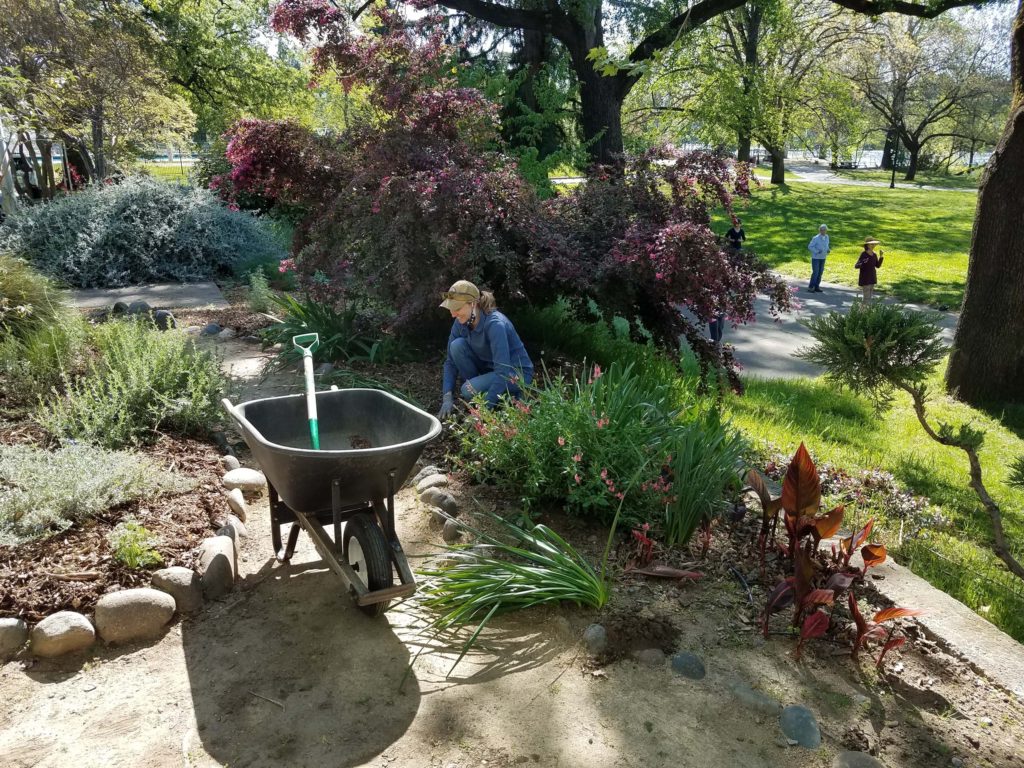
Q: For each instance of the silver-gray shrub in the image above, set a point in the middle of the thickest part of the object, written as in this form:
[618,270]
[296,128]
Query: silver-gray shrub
[44,492]
[137,231]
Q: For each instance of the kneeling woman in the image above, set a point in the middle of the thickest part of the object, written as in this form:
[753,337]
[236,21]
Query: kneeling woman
[484,350]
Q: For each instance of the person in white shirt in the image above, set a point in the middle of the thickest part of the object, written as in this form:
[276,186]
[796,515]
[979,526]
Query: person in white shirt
[819,248]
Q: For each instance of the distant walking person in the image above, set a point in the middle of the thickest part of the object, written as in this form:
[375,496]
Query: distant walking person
[819,248]
[868,264]
[735,236]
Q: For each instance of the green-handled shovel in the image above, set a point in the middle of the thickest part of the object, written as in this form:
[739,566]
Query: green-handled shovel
[308,342]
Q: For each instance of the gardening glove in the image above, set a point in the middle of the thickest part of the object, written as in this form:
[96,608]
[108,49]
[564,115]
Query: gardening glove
[447,406]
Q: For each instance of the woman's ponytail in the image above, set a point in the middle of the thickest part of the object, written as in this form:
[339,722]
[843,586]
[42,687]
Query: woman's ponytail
[486,302]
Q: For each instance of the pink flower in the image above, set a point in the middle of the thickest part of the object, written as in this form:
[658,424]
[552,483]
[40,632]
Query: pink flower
[576,477]
[577,457]
[602,423]
[604,474]
[561,440]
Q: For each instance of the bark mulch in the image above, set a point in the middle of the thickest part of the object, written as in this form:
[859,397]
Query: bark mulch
[72,569]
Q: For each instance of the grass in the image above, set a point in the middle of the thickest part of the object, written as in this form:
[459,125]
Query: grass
[925,234]
[921,178]
[169,172]
[843,429]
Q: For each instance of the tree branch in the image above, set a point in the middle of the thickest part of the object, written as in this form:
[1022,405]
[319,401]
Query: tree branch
[928,11]
[501,15]
[692,18]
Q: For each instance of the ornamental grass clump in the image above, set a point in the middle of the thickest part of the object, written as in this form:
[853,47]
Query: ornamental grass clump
[530,566]
[142,381]
[640,445]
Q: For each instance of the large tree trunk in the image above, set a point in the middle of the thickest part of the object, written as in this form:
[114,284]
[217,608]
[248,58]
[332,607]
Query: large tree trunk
[601,101]
[743,147]
[887,151]
[778,166]
[914,150]
[99,143]
[987,361]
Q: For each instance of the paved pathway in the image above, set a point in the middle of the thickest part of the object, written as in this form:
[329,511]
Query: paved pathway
[158,296]
[822,174]
[766,349]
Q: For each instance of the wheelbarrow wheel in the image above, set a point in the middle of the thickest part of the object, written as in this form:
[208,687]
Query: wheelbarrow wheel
[366,551]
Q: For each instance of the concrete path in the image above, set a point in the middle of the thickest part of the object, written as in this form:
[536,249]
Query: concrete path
[158,296]
[767,348]
[822,174]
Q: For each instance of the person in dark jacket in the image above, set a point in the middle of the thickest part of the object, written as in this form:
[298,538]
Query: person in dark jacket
[735,235]
[868,264]
[484,350]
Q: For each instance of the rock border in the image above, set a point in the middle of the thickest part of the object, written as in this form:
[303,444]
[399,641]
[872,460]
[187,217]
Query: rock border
[143,613]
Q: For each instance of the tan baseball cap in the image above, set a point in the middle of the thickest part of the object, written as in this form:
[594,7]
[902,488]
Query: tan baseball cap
[461,292]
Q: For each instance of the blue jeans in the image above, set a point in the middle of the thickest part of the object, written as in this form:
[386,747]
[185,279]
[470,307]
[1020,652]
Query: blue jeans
[715,329]
[476,379]
[817,267]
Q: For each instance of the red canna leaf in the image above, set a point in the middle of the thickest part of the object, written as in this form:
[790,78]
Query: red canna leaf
[819,597]
[888,614]
[828,525]
[815,625]
[801,489]
[873,554]
[858,619]
[890,644]
[849,545]
[779,598]
[755,481]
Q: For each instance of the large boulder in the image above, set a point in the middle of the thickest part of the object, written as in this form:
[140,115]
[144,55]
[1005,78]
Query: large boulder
[218,566]
[60,633]
[133,614]
[246,480]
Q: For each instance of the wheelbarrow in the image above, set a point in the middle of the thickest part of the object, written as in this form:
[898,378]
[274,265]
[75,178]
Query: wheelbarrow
[369,442]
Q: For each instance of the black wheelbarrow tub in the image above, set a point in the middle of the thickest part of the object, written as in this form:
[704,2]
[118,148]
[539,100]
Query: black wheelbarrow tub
[276,429]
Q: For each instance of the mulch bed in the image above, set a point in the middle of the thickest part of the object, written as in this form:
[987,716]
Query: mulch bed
[72,569]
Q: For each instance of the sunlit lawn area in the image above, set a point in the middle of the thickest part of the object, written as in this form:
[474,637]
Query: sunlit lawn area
[925,234]
[843,429]
[174,172]
[921,178]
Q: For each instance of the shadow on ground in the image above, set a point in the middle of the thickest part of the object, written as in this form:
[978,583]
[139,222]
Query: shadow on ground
[291,673]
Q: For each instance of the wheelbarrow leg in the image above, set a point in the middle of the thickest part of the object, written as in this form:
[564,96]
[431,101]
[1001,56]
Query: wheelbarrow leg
[283,554]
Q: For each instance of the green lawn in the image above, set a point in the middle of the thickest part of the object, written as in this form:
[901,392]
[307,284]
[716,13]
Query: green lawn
[171,172]
[921,178]
[925,234]
[843,429]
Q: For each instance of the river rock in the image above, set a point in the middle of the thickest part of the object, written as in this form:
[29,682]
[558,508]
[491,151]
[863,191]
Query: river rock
[595,637]
[437,480]
[236,501]
[689,665]
[183,584]
[218,566]
[139,307]
[119,308]
[438,498]
[800,724]
[233,528]
[60,633]
[230,462]
[855,760]
[246,480]
[227,333]
[164,320]
[133,614]
[755,699]
[430,469]
[13,634]
[210,329]
[323,369]
[451,532]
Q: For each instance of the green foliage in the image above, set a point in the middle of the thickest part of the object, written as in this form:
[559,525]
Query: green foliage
[137,231]
[143,381]
[345,335]
[28,301]
[31,366]
[875,347]
[43,492]
[133,545]
[530,566]
[618,436]
[1017,474]
[261,298]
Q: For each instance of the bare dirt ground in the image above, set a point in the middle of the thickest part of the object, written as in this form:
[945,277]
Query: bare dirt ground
[285,671]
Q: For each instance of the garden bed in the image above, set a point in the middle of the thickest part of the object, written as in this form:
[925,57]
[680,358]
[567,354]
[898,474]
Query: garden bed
[72,569]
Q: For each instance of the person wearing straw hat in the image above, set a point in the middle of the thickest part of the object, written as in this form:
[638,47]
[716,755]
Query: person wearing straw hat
[484,350]
[868,264]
